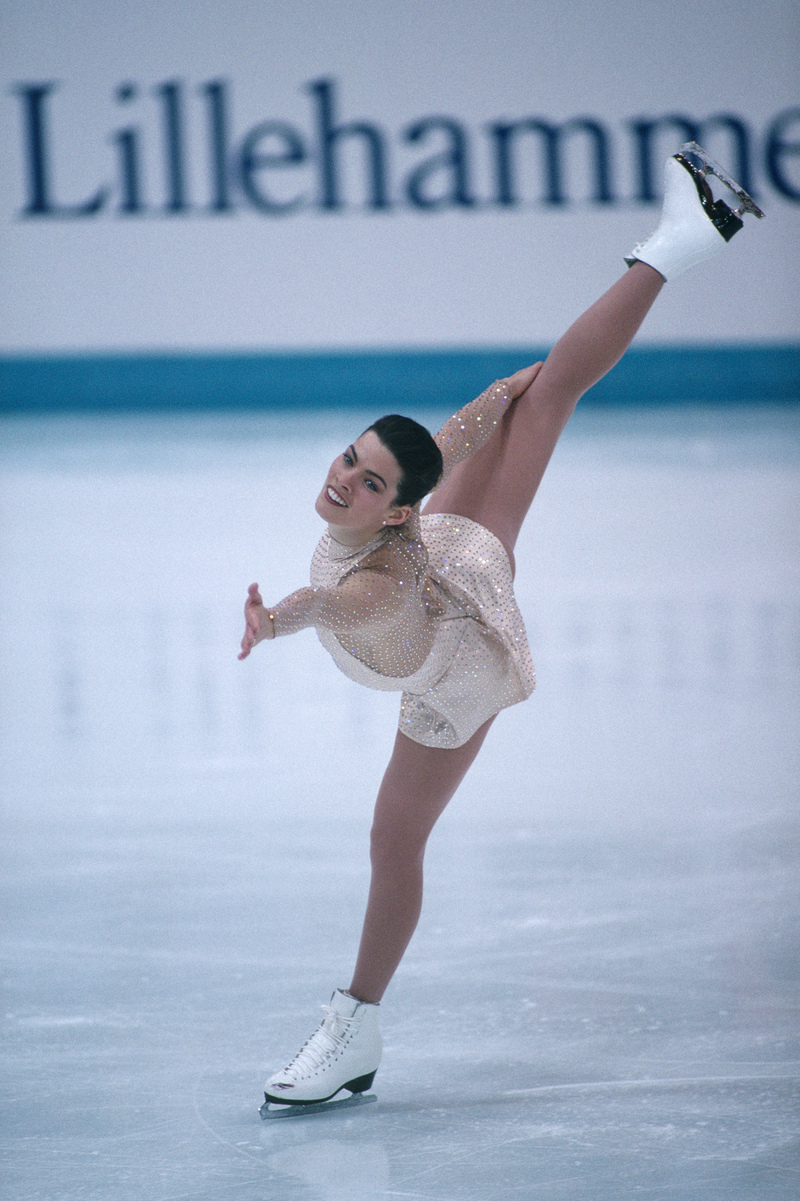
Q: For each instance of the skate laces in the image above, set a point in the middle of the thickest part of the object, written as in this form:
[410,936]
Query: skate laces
[326,1040]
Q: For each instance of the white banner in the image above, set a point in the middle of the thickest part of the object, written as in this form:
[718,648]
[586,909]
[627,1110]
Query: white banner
[314,174]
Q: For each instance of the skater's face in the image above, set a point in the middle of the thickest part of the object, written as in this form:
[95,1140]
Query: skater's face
[357,499]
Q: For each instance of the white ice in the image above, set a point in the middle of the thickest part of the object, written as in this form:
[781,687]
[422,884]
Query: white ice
[601,1000]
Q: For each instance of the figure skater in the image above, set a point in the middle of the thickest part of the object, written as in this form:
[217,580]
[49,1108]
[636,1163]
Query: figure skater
[424,603]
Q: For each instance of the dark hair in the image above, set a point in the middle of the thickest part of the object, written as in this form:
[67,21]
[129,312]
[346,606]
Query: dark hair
[418,456]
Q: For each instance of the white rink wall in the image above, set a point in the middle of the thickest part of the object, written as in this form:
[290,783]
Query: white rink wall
[315,175]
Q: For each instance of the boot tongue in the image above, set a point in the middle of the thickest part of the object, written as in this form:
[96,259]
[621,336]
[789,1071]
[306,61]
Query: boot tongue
[342,1004]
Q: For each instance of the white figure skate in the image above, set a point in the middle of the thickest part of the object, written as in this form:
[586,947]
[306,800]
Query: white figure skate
[694,226]
[343,1053]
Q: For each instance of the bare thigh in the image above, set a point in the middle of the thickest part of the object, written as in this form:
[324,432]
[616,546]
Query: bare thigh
[497,484]
[417,785]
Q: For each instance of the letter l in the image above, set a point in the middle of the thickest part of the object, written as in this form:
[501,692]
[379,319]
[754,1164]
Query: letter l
[40,204]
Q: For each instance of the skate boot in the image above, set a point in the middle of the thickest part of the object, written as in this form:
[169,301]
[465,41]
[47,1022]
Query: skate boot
[343,1053]
[694,225]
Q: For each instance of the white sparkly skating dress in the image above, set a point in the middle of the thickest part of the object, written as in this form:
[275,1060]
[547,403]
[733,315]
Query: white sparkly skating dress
[426,608]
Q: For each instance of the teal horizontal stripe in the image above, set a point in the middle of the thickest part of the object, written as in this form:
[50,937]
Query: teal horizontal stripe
[386,380]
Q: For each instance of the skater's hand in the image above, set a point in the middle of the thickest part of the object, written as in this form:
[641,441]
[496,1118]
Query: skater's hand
[258,623]
[521,380]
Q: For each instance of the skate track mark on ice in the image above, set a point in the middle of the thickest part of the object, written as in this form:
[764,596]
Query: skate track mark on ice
[225,1142]
[645,1083]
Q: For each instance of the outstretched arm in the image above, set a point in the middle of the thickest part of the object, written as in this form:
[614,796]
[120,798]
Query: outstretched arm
[361,598]
[472,427]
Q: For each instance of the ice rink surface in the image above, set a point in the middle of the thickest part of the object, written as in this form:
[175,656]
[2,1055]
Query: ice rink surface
[601,1002]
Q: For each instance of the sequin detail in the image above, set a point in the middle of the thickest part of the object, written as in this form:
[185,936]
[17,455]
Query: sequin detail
[426,608]
[478,662]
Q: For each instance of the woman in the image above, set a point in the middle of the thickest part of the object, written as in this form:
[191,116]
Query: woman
[424,604]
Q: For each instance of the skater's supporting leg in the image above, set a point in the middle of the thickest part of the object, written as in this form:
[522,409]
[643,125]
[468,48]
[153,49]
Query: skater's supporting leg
[497,484]
[418,783]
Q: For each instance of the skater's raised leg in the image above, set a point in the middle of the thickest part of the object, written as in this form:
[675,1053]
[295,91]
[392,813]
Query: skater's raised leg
[496,486]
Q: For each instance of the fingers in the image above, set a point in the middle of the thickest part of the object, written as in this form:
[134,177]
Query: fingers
[248,641]
[252,620]
[521,380]
[529,374]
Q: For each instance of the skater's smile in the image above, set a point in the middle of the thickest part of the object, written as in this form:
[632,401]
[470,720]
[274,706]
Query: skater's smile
[358,497]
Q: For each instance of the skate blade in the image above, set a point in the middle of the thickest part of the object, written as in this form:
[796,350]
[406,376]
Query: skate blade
[711,167]
[270,1110]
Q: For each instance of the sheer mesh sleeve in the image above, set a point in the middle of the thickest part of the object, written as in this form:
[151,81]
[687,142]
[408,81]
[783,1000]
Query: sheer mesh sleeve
[365,598]
[472,427]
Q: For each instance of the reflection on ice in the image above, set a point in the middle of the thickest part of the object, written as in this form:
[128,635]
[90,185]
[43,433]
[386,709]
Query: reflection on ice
[333,1169]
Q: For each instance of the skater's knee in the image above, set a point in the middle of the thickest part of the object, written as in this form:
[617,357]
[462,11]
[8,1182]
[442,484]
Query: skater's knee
[395,850]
